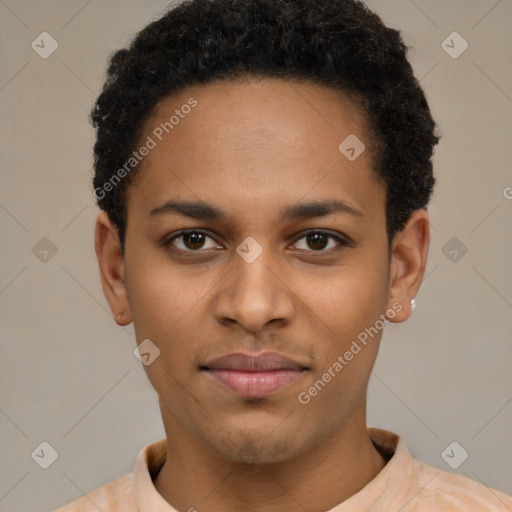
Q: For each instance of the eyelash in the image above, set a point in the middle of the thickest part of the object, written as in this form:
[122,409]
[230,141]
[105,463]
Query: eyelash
[341,241]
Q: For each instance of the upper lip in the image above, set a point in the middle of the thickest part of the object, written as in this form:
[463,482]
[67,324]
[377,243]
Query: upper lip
[266,361]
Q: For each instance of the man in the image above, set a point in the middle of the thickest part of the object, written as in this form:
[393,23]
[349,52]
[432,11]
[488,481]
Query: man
[263,169]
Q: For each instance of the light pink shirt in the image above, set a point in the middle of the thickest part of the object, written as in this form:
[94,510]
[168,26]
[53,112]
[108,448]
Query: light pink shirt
[403,485]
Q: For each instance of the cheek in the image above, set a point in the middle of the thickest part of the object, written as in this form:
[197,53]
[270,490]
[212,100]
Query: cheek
[162,299]
[165,309]
[349,299]
[347,314]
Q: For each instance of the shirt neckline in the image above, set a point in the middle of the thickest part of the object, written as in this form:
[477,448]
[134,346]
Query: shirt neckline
[391,446]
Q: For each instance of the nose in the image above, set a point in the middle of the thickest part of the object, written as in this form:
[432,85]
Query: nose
[254,295]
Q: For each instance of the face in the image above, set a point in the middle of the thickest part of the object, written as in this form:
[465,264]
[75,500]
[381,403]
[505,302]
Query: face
[284,254]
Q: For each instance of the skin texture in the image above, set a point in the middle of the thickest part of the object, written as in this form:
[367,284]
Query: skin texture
[253,148]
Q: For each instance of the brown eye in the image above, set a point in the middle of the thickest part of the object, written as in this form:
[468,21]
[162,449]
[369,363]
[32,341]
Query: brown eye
[191,241]
[318,241]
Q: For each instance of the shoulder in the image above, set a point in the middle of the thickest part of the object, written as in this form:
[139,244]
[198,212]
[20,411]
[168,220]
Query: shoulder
[449,491]
[114,496]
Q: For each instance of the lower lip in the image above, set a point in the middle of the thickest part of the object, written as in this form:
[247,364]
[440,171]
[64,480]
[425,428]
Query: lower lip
[255,384]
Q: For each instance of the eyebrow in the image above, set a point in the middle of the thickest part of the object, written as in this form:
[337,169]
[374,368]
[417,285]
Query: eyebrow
[319,209]
[194,210]
[204,211]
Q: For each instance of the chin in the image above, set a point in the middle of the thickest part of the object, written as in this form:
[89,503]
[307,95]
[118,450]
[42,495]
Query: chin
[257,448]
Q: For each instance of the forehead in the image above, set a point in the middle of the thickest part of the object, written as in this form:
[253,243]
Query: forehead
[266,140]
[272,111]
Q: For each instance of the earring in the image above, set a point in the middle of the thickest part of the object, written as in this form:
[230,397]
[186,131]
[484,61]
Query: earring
[118,318]
[413,304]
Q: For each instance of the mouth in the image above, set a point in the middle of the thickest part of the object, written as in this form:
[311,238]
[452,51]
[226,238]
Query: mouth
[254,375]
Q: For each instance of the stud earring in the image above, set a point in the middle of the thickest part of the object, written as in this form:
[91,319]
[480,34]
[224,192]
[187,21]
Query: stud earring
[413,304]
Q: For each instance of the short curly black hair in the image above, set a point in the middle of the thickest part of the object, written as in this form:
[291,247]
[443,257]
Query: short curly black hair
[341,44]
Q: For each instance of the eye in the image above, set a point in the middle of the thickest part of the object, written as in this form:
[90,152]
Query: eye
[318,241]
[190,241]
[195,240]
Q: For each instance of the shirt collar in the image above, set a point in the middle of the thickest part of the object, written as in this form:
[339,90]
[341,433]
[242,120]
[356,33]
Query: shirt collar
[389,481]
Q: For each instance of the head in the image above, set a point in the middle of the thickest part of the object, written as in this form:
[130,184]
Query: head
[292,143]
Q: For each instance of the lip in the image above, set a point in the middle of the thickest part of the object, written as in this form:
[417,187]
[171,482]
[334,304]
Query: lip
[263,362]
[252,375]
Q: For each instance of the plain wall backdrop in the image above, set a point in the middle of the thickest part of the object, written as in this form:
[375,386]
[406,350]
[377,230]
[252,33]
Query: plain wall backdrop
[68,374]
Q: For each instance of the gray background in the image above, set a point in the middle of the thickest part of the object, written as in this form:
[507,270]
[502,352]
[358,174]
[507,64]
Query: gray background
[68,375]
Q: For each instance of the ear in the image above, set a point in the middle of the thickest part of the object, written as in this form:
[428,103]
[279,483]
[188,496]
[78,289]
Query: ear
[112,268]
[409,251]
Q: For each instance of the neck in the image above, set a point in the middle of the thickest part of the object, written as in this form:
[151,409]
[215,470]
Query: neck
[195,477]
